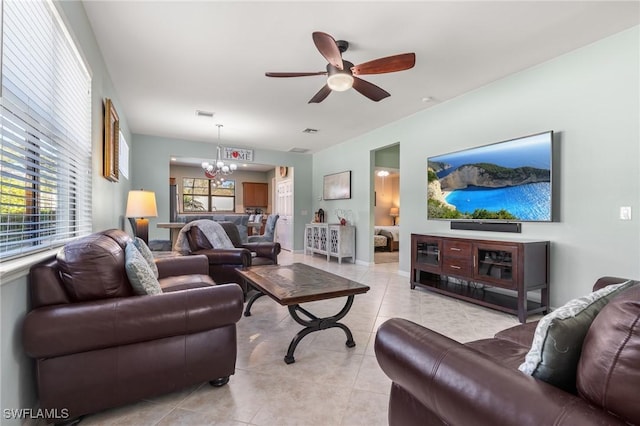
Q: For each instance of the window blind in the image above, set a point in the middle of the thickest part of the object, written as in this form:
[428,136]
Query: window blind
[45,130]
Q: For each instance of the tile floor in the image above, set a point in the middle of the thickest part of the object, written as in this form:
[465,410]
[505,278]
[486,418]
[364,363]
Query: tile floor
[329,384]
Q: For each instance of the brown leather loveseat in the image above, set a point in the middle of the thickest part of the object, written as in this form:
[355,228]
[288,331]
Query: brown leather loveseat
[97,345]
[438,381]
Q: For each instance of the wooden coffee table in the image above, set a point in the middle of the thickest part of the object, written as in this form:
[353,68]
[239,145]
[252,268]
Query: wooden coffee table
[291,285]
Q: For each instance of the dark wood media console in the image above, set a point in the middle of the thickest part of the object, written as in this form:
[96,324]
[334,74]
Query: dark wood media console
[519,266]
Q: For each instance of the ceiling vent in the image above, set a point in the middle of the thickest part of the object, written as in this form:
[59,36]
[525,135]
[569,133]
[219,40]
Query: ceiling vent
[310,130]
[201,113]
[299,150]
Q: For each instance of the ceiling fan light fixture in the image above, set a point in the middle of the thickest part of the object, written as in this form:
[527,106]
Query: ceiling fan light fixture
[340,73]
[340,82]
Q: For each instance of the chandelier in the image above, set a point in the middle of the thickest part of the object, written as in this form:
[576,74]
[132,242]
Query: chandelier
[219,169]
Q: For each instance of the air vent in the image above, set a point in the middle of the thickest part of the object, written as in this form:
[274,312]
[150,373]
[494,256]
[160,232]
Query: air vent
[201,113]
[310,130]
[300,150]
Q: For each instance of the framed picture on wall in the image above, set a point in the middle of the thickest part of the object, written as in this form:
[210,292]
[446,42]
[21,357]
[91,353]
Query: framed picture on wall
[111,142]
[337,186]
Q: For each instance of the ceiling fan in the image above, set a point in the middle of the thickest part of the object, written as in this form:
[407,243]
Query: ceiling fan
[342,75]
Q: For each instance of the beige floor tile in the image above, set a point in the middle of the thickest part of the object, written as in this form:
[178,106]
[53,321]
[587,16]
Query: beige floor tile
[180,417]
[371,377]
[239,400]
[318,366]
[366,408]
[303,402]
[329,384]
[140,414]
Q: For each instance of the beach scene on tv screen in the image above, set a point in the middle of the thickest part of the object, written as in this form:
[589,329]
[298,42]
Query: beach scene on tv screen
[504,181]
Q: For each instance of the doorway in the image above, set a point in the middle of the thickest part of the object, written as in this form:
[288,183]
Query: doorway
[386,204]
[284,208]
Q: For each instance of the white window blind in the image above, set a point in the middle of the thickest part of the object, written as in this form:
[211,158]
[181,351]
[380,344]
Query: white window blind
[45,129]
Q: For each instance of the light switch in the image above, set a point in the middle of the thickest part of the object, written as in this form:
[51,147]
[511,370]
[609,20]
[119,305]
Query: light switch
[625,213]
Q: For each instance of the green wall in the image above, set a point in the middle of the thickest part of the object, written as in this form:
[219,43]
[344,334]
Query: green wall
[388,157]
[589,97]
[151,156]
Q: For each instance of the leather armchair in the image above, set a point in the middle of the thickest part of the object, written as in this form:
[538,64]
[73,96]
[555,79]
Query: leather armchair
[438,381]
[224,262]
[98,346]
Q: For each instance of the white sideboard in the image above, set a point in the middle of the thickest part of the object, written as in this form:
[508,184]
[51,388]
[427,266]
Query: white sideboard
[331,240]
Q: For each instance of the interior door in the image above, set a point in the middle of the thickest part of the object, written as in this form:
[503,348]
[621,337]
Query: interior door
[284,207]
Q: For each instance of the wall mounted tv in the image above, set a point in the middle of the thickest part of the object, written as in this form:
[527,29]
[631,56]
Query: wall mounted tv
[507,181]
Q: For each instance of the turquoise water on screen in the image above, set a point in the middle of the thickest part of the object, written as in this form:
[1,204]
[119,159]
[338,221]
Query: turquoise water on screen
[526,202]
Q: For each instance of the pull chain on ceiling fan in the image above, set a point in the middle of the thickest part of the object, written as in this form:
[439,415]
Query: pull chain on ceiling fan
[343,75]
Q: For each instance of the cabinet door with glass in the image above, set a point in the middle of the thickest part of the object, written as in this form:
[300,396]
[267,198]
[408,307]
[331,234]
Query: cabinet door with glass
[496,264]
[426,253]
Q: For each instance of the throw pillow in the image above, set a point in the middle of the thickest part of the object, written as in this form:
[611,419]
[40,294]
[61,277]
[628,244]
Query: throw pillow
[139,272]
[557,341]
[145,251]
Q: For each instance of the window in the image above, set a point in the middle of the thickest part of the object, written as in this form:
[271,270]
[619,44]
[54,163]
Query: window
[203,195]
[45,132]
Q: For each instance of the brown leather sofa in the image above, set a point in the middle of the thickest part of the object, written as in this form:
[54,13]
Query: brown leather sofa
[223,263]
[98,346]
[438,381]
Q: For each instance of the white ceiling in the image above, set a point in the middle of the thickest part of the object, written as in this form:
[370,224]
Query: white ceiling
[168,59]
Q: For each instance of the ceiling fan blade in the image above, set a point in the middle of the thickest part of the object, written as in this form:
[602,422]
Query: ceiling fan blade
[389,64]
[369,90]
[293,74]
[321,95]
[328,48]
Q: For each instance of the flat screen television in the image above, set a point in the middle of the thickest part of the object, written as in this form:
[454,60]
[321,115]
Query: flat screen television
[508,181]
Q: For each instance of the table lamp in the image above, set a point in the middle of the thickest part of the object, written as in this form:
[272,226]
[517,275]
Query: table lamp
[394,212]
[140,205]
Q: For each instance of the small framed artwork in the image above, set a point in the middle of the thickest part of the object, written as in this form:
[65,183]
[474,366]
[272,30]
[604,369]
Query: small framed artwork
[337,186]
[111,142]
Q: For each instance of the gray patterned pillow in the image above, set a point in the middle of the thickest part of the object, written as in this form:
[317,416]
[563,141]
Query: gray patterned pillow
[148,256]
[557,341]
[139,273]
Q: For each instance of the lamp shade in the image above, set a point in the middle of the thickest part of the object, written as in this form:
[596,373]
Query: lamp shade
[141,204]
[394,212]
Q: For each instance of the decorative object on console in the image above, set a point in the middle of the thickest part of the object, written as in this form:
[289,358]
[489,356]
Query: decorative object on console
[394,212]
[345,216]
[141,205]
[219,169]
